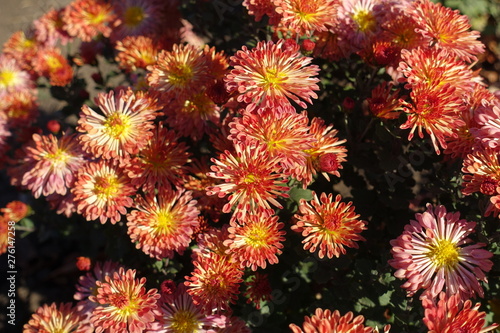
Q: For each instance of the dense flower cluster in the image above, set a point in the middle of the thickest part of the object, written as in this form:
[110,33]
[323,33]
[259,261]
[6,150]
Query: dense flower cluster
[207,160]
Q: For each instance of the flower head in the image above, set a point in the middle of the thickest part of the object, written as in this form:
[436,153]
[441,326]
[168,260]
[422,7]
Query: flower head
[56,318]
[329,225]
[50,63]
[433,253]
[124,304]
[49,28]
[86,19]
[385,103]
[136,52]
[271,75]
[12,77]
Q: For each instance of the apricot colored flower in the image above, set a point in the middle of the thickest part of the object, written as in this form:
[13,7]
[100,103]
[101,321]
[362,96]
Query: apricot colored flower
[12,77]
[324,321]
[433,253]
[161,163]
[251,178]
[445,28]
[136,52]
[49,28]
[56,318]
[86,19]
[259,8]
[16,210]
[123,129]
[51,64]
[272,74]
[437,110]
[162,224]
[305,17]
[48,165]
[22,46]
[256,240]
[328,224]
[179,72]
[214,282]
[384,102]
[20,108]
[102,190]
[451,314]
[285,135]
[124,304]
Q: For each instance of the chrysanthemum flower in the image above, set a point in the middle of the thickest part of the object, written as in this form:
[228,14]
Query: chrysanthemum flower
[48,165]
[437,110]
[445,28]
[328,224]
[15,210]
[270,74]
[324,321]
[256,240]
[161,163]
[102,190]
[258,289]
[12,77]
[326,154]
[259,8]
[22,46]
[304,17]
[488,126]
[163,224]
[433,253]
[212,242]
[384,102]
[20,107]
[451,315]
[136,52]
[56,318]
[62,204]
[124,304]
[49,28]
[399,29]
[285,135]
[4,133]
[180,314]
[86,19]
[252,179]
[179,72]
[87,286]
[50,63]
[215,282]
[124,128]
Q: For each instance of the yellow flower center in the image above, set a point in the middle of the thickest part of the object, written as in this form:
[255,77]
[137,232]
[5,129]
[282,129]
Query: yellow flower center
[134,16]
[107,187]
[59,157]
[256,236]
[273,78]
[165,223]
[443,253]
[180,75]
[124,304]
[250,179]
[7,78]
[53,63]
[28,44]
[184,321]
[365,20]
[117,125]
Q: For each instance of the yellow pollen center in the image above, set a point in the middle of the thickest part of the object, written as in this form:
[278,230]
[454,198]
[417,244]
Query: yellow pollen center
[27,44]
[256,236]
[126,306]
[273,78]
[117,125]
[134,16]
[250,179]
[443,253]
[365,20]
[97,18]
[180,75]
[59,157]
[7,78]
[184,321]
[53,62]
[107,187]
[165,222]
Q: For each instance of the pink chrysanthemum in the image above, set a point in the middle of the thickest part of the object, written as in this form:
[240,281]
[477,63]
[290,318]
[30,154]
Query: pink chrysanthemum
[446,29]
[161,163]
[179,72]
[48,165]
[123,129]
[304,17]
[49,28]
[256,240]
[328,224]
[50,63]
[435,109]
[56,318]
[433,253]
[451,315]
[252,179]
[86,19]
[102,190]
[136,52]
[326,321]
[124,304]
[162,224]
[270,74]
[215,282]
[12,77]
[62,204]
[488,126]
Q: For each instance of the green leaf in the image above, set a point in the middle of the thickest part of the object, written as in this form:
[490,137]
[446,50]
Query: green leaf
[298,193]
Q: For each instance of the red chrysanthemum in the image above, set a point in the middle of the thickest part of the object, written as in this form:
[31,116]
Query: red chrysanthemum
[123,129]
[384,102]
[258,289]
[86,19]
[259,8]
[162,224]
[433,253]
[124,304]
[328,224]
[102,190]
[56,318]
[15,210]
[251,177]
[272,74]
[50,63]
[256,240]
